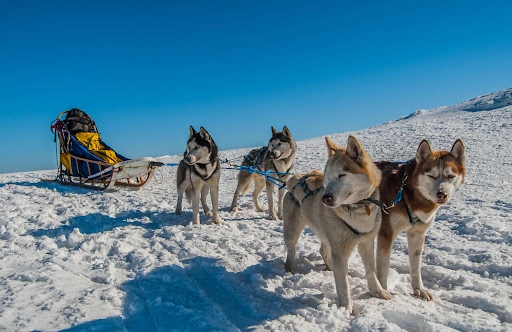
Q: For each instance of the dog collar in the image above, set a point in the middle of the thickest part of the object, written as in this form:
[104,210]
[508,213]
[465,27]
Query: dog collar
[367,201]
[207,177]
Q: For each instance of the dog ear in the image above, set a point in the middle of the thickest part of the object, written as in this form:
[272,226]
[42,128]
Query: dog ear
[459,151]
[192,132]
[273,130]
[354,149]
[286,132]
[204,134]
[424,151]
[331,146]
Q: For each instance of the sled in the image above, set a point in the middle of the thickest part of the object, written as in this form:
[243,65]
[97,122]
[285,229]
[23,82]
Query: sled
[86,161]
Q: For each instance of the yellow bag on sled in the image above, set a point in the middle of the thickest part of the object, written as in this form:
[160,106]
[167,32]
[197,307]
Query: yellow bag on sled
[93,143]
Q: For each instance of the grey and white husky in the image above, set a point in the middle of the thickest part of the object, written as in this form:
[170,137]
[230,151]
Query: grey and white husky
[278,156]
[198,173]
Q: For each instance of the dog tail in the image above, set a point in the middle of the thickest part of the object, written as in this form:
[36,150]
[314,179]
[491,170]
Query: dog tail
[246,188]
[242,176]
[188,194]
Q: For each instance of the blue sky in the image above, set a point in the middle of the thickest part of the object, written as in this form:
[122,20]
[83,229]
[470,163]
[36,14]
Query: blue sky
[147,70]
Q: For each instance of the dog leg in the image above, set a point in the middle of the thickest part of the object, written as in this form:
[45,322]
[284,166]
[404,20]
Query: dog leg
[244,180]
[214,193]
[270,199]
[384,245]
[292,228]
[281,192]
[259,184]
[181,189]
[196,192]
[204,193]
[179,203]
[340,257]
[366,250]
[325,252]
[415,243]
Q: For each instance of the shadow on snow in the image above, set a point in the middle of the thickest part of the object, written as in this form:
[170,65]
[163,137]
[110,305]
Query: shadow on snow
[53,186]
[200,296]
[97,223]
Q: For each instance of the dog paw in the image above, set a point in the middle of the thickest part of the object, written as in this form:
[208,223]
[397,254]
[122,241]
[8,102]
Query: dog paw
[273,217]
[234,209]
[218,221]
[280,216]
[423,293]
[382,293]
[288,267]
[209,213]
[259,209]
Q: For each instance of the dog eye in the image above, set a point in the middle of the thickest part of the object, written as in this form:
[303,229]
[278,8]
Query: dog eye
[279,144]
[431,176]
[196,148]
[451,176]
[341,175]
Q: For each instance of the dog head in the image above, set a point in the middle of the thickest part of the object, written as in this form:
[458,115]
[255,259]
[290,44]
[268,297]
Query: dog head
[439,173]
[199,147]
[350,174]
[281,145]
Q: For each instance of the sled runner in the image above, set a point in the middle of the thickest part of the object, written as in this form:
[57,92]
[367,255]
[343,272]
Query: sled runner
[86,161]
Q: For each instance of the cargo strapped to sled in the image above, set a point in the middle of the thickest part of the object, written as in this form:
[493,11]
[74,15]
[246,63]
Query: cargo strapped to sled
[85,160]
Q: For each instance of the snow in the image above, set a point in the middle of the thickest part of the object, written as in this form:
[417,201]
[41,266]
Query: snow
[78,260]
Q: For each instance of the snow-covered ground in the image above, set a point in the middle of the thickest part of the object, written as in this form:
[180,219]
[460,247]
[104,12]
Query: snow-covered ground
[78,260]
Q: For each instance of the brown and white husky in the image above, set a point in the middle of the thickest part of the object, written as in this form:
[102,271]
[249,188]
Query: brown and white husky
[416,190]
[342,208]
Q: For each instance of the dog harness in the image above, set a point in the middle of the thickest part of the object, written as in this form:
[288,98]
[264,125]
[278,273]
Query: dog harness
[413,219]
[304,186]
[254,160]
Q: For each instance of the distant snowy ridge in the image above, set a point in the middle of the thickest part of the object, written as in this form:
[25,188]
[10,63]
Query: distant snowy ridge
[488,102]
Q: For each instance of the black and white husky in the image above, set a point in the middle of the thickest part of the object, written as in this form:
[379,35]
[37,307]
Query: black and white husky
[277,156]
[198,173]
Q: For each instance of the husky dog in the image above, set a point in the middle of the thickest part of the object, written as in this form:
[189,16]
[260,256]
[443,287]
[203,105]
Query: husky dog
[415,191]
[277,156]
[342,207]
[198,173]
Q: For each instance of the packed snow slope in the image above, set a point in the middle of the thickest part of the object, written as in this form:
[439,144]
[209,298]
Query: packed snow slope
[79,260]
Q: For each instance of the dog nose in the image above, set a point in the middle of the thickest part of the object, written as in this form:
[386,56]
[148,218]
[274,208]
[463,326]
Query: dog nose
[327,199]
[441,195]
[190,159]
